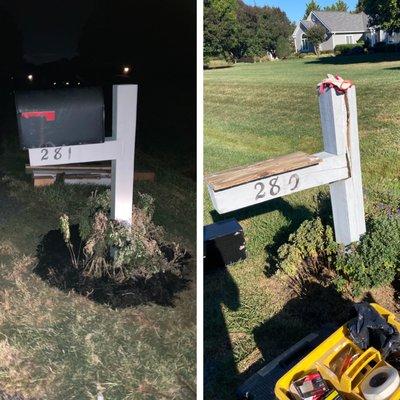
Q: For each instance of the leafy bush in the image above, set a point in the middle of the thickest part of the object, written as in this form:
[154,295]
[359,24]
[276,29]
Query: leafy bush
[119,251]
[217,63]
[375,260]
[372,262]
[312,242]
[349,49]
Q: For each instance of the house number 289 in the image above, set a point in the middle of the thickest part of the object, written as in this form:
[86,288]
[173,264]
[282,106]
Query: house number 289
[274,186]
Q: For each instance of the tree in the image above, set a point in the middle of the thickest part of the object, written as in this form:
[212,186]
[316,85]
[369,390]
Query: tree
[258,30]
[360,7]
[219,26]
[384,13]
[340,5]
[283,48]
[316,35]
[311,6]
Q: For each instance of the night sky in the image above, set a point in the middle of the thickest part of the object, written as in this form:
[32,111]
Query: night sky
[50,28]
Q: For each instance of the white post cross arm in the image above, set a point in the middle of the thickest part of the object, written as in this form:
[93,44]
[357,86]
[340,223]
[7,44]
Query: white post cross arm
[120,149]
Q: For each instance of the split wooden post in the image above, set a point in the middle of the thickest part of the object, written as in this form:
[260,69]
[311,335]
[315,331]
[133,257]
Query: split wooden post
[120,149]
[340,131]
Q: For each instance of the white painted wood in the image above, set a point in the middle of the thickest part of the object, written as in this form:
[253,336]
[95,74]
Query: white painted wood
[122,167]
[332,168]
[120,149]
[346,195]
[82,153]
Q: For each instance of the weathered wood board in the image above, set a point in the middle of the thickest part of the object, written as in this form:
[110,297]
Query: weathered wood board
[274,166]
[330,168]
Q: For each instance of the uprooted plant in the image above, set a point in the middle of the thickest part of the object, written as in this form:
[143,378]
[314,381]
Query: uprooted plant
[118,251]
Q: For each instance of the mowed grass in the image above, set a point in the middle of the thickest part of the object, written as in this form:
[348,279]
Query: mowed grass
[254,112]
[58,345]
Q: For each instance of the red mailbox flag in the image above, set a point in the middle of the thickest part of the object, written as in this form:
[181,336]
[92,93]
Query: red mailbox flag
[48,115]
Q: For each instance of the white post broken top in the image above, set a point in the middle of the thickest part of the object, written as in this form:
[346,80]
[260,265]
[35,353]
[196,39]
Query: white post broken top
[338,166]
[120,149]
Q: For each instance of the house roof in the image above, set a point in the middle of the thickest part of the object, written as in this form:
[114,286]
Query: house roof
[340,21]
[307,24]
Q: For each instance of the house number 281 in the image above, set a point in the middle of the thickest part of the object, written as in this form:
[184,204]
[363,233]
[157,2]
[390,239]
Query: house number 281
[274,186]
[54,153]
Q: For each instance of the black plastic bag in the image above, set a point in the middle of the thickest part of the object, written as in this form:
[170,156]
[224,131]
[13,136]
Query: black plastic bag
[370,329]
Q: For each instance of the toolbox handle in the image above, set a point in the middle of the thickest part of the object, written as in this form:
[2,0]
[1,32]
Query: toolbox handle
[350,375]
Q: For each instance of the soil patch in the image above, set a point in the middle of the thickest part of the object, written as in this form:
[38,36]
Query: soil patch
[54,266]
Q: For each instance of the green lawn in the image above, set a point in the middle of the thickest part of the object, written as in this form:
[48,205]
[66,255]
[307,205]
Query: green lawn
[58,345]
[254,112]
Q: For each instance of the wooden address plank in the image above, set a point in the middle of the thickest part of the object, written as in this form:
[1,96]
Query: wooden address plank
[240,175]
[104,179]
[331,168]
[95,167]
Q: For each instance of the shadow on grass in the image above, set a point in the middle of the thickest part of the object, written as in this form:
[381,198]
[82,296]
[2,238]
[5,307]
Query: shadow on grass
[219,363]
[55,267]
[264,208]
[320,306]
[356,59]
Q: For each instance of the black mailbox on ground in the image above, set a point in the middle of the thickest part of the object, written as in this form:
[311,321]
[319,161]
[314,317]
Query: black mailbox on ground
[60,117]
[224,244]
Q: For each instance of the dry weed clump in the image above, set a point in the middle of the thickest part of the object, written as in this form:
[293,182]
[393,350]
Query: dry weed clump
[118,251]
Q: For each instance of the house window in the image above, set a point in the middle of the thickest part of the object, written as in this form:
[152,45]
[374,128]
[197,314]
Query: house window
[305,44]
[349,39]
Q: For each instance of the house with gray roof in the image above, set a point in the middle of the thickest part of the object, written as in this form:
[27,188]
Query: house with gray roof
[341,28]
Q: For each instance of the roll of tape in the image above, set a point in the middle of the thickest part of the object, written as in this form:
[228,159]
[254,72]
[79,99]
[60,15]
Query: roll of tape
[381,383]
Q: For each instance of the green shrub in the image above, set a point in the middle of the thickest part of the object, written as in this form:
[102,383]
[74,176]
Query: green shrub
[215,64]
[375,260]
[311,243]
[119,251]
[372,262]
[348,49]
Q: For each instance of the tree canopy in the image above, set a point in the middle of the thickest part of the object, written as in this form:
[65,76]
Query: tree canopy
[220,26]
[311,6]
[360,6]
[384,13]
[339,5]
[235,29]
[316,35]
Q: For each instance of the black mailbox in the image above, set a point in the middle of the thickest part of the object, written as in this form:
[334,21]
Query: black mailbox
[224,244]
[60,117]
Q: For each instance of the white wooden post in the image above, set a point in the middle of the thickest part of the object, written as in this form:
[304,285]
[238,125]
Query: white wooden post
[120,149]
[342,139]
[122,167]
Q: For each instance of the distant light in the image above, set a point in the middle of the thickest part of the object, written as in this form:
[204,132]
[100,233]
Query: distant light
[67,83]
[30,77]
[126,70]
[79,83]
[54,83]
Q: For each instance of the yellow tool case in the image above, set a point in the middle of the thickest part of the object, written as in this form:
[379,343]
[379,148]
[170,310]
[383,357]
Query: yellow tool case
[323,359]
